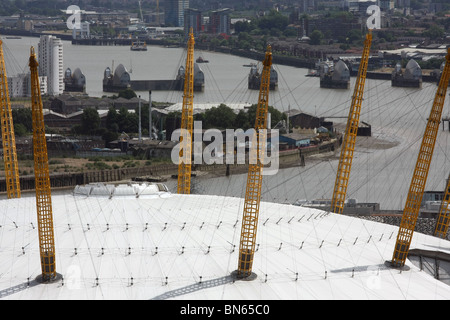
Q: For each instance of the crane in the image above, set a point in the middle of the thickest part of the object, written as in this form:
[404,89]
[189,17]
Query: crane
[42,178]
[254,177]
[417,186]
[348,145]
[8,137]
[187,121]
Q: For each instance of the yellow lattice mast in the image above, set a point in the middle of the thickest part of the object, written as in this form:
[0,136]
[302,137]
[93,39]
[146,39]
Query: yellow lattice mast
[348,144]
[443,219]
[42,178]
[8,137]
[184,165]
[419,179]
[254,177]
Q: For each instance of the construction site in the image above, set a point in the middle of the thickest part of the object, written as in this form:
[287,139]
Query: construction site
[147,241]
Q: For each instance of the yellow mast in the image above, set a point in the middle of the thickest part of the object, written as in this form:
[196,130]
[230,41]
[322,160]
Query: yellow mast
[8,136]
[254,178]
[187,122]
[42,178]
[419,179]
[443,219]
[348,145]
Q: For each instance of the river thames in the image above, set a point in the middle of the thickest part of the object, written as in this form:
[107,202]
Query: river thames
[382,166]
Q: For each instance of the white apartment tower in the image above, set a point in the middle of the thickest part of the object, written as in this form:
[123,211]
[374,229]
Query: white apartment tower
[50,58]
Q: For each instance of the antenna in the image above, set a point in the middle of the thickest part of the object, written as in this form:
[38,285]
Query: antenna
[187,121]
[42,179]
[254,178]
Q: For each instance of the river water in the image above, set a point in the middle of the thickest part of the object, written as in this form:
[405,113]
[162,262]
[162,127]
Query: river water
[382,166]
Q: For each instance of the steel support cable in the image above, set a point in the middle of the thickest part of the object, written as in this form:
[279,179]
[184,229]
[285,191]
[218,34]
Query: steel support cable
[216,228]
[290,91]
[115,213]
[406,125]
[419,178]
[238,86]
[349,139]
[398,111]
[386,166]
[180,240]
[310,168]
[77,209]
[152,240]
[208,224]
[345,103]
[215,82]
[171,93]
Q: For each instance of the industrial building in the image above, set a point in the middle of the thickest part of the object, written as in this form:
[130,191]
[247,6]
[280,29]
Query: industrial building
[20,86]
[174,12]
[193,19]
[220,21]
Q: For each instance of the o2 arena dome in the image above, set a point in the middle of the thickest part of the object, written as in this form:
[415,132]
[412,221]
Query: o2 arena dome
[139,241]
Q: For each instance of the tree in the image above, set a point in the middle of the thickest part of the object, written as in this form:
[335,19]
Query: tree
[434,32]
[274,20]
[20,130]
[222,117]
[275,116]
[127,94]
[244,26]
[23,116]
[354,35]
[90,121]
[316,37]
[242,121]
[111,120]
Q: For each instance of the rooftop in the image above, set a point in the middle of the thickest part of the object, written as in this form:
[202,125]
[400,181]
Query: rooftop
[142,242]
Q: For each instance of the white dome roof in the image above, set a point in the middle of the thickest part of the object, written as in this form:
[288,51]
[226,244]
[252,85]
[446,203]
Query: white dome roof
[164,246]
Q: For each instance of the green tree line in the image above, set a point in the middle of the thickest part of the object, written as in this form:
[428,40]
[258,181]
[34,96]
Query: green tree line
[223,117]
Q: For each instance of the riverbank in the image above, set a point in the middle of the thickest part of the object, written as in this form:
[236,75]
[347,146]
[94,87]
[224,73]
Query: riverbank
[132,170]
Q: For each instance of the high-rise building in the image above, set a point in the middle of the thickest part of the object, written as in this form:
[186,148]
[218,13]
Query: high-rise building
[50,55]
[220,21]
[174,12]
[386,5]
[20,85]
[192,19]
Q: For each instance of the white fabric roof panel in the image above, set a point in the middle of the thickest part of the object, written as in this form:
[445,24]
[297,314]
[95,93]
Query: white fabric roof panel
[128,248]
